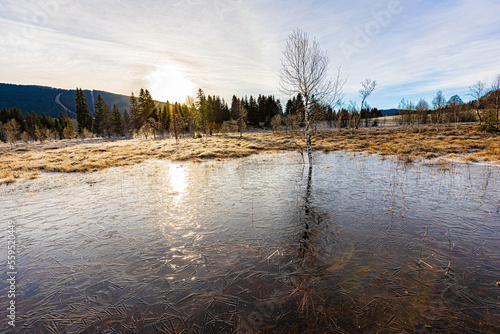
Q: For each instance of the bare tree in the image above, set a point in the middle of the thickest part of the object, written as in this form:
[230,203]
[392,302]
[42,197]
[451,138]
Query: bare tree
[305,70]
[369,86]
[11,131]
[292,122]
[276,122]
[477,92]
[355,116]
[240,115]
[455,104]
[422,109]
[439,102]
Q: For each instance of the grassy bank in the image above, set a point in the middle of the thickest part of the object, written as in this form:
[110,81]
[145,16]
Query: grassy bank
[443,143]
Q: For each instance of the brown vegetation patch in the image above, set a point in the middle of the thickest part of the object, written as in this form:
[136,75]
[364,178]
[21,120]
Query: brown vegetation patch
[8,180]
[418,142]
[405,143]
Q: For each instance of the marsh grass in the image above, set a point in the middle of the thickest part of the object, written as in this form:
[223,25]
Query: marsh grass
[407,144]
[8,180]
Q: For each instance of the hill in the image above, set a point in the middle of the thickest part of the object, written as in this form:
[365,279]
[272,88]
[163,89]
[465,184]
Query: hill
[388,111]
[52,101]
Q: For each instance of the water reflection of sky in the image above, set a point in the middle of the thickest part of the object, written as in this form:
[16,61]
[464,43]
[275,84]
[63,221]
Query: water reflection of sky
[163,240]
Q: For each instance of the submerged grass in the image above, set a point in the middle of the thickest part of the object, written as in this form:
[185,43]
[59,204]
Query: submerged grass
[451,143]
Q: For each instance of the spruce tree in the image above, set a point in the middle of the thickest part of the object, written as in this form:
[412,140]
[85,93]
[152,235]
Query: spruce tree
[147,106]
[101,117]
[82,112]
[117,121]
[175,120]
[202,106]
[164,117]
[239,114]
[127,126]
[135,115]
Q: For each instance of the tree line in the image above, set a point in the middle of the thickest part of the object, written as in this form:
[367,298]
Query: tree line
[484,108]
[452,111]
[14,126]
[351,117]
[209,114]
[205,114]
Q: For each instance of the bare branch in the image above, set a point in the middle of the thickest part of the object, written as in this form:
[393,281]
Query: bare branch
[477,90]
[305,70]
[368,88]
[495,84]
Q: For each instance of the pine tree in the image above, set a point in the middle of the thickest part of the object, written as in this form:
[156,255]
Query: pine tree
[82,112]
[175,120]
[234,105]
[164,116]
[147,107]
[117,121]
[61,124]
[31,121]
[47,122]
[127,125]
[202,106]
[239,114]
[102,117]
[135,117]
[253,111]
[295,106]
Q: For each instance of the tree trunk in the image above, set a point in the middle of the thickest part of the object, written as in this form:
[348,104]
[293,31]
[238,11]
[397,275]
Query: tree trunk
[308,141]
[308,136]
[358,119]
[477,110]
[479,116]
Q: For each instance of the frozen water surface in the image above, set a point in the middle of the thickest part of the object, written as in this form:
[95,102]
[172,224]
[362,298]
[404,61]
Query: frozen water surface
[260,244]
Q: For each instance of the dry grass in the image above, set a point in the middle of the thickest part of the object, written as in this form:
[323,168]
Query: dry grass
[462,143]
[8,180]
[32,176]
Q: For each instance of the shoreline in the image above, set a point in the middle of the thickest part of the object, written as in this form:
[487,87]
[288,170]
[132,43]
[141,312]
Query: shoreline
[438,145]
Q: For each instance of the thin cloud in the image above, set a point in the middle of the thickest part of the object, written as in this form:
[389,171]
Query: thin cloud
[232,47]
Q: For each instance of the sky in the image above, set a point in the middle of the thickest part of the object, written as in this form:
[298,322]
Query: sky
[412,48]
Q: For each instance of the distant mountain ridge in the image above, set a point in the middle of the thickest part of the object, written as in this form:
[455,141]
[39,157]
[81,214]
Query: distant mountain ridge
[52,101]
[388,111]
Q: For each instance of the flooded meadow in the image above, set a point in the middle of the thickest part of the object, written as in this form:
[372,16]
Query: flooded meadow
[261,244]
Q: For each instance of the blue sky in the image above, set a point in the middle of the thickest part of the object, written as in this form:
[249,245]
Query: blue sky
[411,47]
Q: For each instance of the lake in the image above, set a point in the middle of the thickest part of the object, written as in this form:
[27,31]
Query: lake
[258,244]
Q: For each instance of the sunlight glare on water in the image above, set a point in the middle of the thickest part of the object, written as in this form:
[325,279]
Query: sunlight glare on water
[178,181]
[258,244]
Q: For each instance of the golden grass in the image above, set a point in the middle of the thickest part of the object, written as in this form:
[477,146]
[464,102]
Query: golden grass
[5,174]
[32,176]
[462,143]
[8,180]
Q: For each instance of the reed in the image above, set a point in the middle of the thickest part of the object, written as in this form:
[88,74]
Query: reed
[460,144]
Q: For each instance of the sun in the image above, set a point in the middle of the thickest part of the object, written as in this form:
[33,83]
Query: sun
[169,82]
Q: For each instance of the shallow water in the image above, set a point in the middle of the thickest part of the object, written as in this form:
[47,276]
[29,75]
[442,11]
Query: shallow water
[259,244]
